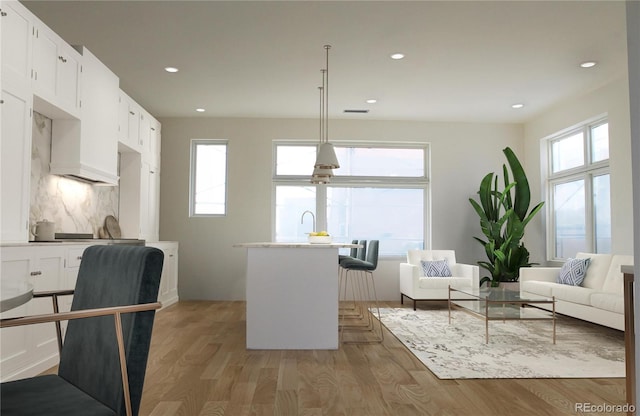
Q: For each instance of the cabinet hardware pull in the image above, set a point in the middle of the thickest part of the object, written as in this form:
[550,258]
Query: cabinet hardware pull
[79,258]
[132,113]
[36,273]
[3,14]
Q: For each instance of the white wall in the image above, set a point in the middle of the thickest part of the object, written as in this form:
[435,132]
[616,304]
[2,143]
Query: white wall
[613,100]
[210,268]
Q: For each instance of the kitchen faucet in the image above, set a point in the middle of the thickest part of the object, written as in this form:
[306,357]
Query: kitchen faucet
[312,216]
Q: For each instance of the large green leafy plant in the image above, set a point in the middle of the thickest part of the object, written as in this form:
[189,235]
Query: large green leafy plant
[504,215]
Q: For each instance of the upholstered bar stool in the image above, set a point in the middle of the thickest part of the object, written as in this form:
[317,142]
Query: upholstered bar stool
[360,274]
[350,311]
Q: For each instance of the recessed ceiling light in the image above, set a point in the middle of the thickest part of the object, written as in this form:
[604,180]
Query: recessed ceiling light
[517,105]
[371,101]
[171,69]
[200,110]
[588,64]
[397,56]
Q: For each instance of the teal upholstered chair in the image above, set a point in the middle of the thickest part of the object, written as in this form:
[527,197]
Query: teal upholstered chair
[117,288]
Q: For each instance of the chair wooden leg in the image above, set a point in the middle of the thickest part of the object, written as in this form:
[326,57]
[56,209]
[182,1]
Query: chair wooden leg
[123,365]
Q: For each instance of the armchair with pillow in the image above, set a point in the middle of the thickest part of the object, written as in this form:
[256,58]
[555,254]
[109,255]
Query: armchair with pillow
[427,275]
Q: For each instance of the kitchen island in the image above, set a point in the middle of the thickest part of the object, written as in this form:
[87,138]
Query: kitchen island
[292,295]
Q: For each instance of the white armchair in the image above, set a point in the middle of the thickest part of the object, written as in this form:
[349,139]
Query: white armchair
[416,286]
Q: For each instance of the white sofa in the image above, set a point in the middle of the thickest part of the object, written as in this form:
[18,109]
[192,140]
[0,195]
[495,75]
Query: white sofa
[416,286]
[599,299]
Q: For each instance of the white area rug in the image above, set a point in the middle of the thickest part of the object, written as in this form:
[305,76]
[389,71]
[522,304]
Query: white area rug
[516,349]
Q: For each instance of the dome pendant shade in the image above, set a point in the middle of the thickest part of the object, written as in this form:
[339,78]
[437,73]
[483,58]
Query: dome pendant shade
[326,158]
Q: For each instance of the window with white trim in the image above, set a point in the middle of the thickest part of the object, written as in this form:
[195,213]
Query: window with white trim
[380,192]
[579,193]
[208,178]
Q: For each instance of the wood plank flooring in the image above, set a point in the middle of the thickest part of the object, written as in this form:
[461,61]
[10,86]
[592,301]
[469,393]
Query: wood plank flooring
[199,366]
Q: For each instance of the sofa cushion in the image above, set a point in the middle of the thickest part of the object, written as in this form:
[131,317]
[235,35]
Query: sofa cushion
[444,282]
[436,268]
[537,287]
[573,272]
[597,270]
[614,282]
[575,294]
[608,301]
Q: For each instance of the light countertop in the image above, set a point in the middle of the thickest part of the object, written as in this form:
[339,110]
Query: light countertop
[295,245]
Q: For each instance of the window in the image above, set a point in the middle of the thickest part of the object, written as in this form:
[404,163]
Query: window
[208,181]
[379,193]
[579,191]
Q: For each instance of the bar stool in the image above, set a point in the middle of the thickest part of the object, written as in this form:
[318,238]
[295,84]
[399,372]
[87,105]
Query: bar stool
[361,272]
[352,311]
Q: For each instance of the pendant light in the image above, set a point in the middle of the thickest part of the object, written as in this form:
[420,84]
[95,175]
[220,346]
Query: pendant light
[326,158]
[321,175]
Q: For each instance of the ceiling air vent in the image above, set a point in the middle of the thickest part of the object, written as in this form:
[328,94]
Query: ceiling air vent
[357,111]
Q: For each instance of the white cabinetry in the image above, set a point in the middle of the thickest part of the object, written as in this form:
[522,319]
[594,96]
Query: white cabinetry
[139,143]
[168,293]
[128,123]
[139,188]
[89,149]
[15,135]
[56,74]
[27,351]
[15,159]
[16,43]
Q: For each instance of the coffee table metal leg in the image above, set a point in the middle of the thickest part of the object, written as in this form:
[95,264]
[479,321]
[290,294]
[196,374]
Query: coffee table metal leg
[554,319]
[486,321]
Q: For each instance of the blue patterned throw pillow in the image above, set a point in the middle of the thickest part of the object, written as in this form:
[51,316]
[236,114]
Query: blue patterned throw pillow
[573,272]
[436,268]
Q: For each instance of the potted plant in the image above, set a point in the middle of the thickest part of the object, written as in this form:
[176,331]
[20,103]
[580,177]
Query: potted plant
[504,215]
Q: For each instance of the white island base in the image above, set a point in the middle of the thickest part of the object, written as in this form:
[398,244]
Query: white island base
[292,295]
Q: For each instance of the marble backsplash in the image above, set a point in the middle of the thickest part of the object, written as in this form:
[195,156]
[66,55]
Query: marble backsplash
[74,206]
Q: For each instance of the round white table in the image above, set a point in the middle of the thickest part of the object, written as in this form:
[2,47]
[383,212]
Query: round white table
[14,295]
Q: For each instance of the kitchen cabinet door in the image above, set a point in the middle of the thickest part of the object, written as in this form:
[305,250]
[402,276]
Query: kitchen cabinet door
[128,122]
[30,350]
[56,74]
[168,293]
[16,265]
[45,62]
[15,156]
[16,43]
[68,78]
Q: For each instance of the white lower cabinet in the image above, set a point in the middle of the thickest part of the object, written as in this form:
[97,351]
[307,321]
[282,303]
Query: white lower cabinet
[29,350]
[168,293]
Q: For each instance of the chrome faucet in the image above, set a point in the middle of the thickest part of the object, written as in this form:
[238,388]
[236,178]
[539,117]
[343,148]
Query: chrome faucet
[312,216]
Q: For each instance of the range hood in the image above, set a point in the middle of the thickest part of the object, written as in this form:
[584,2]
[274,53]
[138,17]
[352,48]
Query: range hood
[87,148]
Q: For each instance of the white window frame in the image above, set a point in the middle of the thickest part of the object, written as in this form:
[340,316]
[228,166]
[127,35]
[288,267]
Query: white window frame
[586,172]
[192,175]
[358,181]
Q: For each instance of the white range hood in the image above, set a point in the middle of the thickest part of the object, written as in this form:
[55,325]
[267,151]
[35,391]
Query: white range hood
[87,149]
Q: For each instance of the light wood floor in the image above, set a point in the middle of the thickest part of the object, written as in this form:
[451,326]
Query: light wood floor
[198,366]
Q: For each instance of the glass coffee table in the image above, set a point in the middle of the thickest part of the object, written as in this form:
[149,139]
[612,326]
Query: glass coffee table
[498,304]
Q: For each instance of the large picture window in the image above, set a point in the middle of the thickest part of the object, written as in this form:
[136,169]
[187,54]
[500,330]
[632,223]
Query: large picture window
[379,192]
[579,191]
[208,180]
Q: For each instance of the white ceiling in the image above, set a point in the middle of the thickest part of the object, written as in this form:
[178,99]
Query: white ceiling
[465,61]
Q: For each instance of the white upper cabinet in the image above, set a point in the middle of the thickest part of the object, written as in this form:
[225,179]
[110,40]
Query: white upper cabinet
[56,74]
[89,149]
[16,43]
